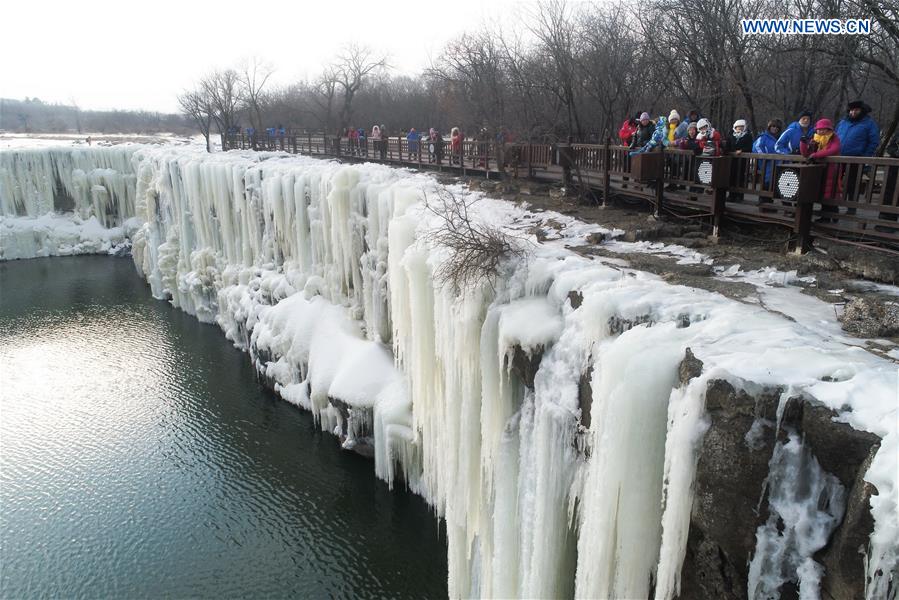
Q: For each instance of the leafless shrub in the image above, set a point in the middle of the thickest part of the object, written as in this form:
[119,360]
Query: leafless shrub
[478,249]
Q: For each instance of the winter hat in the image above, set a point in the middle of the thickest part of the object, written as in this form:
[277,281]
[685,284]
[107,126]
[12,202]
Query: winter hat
[674,116]
[860,105]
[824,124]
[740,123]
[703,123]
[805,113]
[646,116]
[692,126]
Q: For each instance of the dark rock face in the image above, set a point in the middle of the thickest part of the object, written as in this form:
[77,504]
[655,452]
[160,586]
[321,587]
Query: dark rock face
[585,396]
[847,454]
[842,559]
[869,265]
[525,365]
[689,368]
[618,325]
[870,318]
[576,298]
[364,443]
[839,448]
[595,238]
[730,489]
[729,482]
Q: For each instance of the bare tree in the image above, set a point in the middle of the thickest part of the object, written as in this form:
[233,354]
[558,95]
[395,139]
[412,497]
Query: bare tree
[254,74]
[196,105]
[223,90]
[325,95]
[471,70]
[478,249]
[554,29]
[354,65]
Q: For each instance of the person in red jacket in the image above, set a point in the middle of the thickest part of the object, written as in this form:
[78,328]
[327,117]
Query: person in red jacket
[709,138]
[824,143]
[627,130]
[455,145]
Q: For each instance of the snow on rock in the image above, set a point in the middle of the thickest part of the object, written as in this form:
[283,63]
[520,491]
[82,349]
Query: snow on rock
[323,273]
[529,323]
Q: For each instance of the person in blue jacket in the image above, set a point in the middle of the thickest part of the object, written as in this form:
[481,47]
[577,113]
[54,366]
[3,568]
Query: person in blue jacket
[765,143]
[788,142]
[413,139]
[859,136]
[858,133]
[692,117]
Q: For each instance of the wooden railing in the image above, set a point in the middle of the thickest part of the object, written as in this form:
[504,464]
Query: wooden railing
[863,203]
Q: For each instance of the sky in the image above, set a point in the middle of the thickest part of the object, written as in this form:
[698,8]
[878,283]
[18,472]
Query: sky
[101,54]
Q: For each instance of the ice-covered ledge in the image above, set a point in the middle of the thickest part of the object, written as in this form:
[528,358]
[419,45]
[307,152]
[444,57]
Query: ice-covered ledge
[320,269]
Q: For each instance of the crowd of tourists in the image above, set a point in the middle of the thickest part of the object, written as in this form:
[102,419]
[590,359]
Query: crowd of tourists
[856,134]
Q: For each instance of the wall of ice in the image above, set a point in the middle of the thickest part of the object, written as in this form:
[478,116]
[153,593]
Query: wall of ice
[575,479]
[57,201]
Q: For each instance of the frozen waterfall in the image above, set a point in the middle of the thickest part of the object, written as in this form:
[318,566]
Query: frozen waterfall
[543,416]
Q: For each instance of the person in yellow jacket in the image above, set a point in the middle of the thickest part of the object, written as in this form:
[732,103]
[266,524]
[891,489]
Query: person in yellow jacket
[673,122]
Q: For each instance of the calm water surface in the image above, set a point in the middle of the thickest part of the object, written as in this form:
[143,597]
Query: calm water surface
[140,458]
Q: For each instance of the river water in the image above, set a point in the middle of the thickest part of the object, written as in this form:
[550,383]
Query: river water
[139,457]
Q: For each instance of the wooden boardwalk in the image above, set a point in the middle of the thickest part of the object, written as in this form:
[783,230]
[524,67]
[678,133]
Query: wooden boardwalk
[764,188]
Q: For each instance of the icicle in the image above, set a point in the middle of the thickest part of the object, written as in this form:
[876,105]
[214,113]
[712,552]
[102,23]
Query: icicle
[806,505]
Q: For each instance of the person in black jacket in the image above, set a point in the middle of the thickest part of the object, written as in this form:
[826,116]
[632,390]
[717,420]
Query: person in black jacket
[644,132]
[739,141]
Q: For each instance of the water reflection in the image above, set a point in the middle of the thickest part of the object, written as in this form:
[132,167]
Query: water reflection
[138,457]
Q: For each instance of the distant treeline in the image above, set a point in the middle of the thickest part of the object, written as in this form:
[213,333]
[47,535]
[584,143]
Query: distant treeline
[32,115]
[578,69]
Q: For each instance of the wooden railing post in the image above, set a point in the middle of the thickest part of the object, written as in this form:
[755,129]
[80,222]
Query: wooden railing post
[660,196]
[606,173]
[565,161]
[530,161]
[714,171]
[800,183]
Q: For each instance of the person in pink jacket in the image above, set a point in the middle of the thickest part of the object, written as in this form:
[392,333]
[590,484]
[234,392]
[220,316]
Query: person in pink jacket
[823,143]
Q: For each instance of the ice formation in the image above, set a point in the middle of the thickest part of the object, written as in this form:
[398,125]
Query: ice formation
[58,201]
[324,274]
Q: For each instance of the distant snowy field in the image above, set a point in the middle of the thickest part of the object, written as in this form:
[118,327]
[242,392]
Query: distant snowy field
[50,140]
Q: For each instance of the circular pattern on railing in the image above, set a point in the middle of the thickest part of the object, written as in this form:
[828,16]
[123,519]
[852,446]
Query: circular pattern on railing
[432,148]
[788,184]
[704,172]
